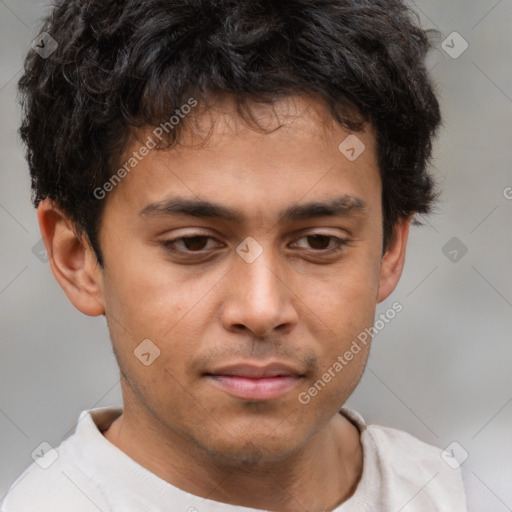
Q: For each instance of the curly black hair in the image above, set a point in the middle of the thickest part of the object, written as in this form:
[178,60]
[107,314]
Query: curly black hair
[123,64]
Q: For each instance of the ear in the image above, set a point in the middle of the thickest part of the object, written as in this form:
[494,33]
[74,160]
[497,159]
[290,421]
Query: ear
[72,260]
[394,259]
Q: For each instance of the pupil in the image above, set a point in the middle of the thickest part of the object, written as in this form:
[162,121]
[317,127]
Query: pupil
[315,241]
[195,243]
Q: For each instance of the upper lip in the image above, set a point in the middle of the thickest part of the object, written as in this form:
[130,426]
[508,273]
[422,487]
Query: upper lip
[257,372]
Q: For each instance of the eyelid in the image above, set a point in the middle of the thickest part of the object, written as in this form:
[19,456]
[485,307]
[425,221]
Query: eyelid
[340,242]
[168,244]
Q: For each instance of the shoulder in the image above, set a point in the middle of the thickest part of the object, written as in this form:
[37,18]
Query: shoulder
[408,468]
[401,450]
[398,446]
[54,484]
[431,469]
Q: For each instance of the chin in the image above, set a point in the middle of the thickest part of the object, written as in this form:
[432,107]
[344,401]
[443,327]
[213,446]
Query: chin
[252,448]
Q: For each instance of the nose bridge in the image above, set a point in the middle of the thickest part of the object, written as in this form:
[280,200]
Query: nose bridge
[259,300]
[259,278]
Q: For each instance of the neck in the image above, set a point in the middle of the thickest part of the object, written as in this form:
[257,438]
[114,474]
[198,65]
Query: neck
[319,476]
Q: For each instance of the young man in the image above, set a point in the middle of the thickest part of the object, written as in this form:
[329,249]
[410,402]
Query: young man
[231,183]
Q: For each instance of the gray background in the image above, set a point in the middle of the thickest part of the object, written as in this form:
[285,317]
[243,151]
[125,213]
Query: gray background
[440,370]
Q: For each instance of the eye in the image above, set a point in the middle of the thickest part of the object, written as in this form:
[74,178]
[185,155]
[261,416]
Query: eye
[203,244]
[189,244]
[321,243]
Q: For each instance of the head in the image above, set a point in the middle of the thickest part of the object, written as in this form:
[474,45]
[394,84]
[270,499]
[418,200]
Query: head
[226,123]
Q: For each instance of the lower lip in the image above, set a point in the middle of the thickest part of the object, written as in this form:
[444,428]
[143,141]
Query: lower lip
[255,389]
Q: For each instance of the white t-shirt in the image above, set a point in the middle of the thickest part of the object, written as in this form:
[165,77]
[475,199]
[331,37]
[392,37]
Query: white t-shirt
[87,473]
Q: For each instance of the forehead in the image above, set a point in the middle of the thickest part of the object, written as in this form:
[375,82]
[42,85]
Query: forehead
[300,154]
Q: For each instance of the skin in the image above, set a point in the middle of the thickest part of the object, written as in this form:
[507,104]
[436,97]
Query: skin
[297,303]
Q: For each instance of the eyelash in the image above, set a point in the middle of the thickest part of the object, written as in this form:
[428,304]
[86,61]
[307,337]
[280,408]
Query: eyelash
[340,244]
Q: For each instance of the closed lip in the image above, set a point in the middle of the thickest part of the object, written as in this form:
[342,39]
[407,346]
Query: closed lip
[252,371]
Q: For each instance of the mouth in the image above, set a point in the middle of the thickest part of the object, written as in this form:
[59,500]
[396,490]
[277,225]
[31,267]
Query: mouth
[255,383]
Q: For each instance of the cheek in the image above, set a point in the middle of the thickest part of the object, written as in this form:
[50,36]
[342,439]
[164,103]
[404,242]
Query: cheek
[148,302]
[153,301]
[146,295]
[345,300]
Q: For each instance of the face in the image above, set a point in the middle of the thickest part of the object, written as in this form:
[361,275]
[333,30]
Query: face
[251,263]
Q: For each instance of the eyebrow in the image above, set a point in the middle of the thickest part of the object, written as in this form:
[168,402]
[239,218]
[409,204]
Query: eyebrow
[343,206]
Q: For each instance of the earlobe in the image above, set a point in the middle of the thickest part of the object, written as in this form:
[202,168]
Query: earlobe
[394,259]
[72,260]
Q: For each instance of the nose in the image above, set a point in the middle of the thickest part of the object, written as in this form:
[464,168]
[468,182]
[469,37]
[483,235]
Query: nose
[259,297]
